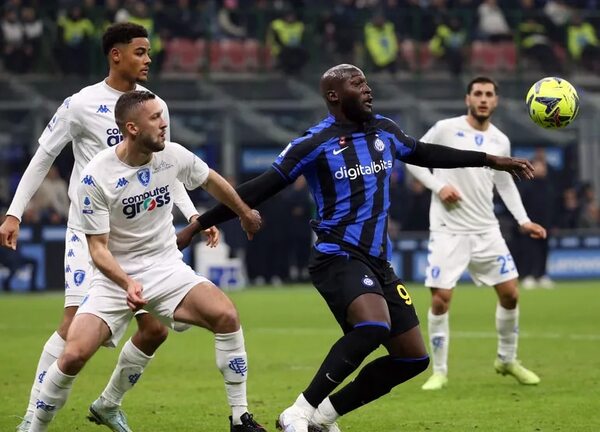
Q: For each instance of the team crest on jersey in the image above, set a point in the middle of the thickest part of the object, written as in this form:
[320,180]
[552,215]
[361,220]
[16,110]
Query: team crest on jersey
[367,281]
[478,139]
[79,277]
[379,145]
[143,176]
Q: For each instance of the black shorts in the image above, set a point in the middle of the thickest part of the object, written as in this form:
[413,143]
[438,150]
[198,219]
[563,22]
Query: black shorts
[341,278]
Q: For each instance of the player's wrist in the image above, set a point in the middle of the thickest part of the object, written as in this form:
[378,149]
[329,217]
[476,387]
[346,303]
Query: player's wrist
[13,219]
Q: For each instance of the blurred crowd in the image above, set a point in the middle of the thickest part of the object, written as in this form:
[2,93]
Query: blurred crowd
[47,36]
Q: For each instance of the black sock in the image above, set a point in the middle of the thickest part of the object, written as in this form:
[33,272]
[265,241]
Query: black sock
[375,380]
[344,357]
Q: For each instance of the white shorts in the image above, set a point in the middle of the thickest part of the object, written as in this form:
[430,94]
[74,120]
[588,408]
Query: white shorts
[485,255]
[78,267]
[165,284]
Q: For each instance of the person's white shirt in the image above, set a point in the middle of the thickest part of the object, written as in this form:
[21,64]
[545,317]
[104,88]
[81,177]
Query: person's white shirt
[86,119]
[474,213]
[135,204]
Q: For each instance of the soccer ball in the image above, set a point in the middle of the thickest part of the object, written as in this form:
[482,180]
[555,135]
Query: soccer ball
[552,103]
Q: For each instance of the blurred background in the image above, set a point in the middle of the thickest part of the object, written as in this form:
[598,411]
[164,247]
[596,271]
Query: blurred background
[241,77]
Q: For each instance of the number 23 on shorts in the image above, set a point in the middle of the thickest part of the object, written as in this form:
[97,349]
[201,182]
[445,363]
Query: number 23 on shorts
[403,293]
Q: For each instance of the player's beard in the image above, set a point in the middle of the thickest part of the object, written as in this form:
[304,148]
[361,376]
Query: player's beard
[354,110]
[152,142]
[481,118]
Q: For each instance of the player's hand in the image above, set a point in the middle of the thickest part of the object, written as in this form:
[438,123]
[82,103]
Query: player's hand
[213,236]
[519,168]
[185,236]
[449,194]
[251,222]
[135,301]
[9,232]
[534,230]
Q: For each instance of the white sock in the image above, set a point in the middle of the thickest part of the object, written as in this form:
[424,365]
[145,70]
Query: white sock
[233,364]
[507,326]
[305,407]
[128,371]
[52,397]
[439,339]
[325,413]
[52,350]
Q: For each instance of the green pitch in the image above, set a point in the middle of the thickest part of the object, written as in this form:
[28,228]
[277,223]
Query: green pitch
[288,332]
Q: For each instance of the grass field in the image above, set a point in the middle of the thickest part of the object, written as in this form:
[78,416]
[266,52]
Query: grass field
[288,332]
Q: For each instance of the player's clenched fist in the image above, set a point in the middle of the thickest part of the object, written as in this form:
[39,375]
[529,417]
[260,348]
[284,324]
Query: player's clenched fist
[135,301]
[9,232]
[251,223]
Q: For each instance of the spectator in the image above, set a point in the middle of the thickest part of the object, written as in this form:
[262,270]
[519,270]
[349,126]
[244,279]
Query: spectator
[538,198]
[492,25]
[75,34]
[50,204]
[382,43]
[583,44]
[231,21]
[450,43]
[33,29]
[285,37]
[559,15]
[140,15]
[535,42]
[299,205]
[570,209]
[590,211]
[13,260]
[13,39]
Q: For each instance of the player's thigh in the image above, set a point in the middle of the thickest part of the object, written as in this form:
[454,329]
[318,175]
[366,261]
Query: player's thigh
[108,302]
[342,279]
[87,333]
[491,261]
[403,316]
[78,267]
[176,293]
[205,305]
[448,257]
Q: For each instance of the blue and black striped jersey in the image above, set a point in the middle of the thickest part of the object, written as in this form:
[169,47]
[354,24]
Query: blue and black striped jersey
[348,167]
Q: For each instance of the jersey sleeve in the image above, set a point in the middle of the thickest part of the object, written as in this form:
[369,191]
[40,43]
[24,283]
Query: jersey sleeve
[62,128]
[92,205]
[295,158]
[191,170]
[405,144]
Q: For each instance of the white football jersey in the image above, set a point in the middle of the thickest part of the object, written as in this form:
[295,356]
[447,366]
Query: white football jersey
[134,204]
[474,213]
[87,120]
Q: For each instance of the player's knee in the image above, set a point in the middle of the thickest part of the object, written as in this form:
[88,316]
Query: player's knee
[228,321]
[151,331]
[509,299]
[439,304]
[72,360]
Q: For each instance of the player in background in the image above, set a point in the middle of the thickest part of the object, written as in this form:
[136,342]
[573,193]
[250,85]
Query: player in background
[133,246]
[347,160]
[465,233]
[87,120]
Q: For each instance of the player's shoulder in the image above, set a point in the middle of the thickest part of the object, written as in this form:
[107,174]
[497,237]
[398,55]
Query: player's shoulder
[86,95]
[384,123]
[318,133]
[450,123]
[498,134]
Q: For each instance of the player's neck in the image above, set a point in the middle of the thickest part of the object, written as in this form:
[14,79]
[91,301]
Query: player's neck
[130,155]
[478,125]
[119,83]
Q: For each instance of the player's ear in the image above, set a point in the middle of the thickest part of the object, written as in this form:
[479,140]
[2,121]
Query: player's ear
[332,96]
[132,129]
[115,54]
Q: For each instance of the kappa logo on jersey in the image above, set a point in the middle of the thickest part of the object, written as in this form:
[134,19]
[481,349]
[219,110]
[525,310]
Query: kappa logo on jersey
[66,102]
[362,170]
[52,123]
[78,277]
[148,201]
[103,109]
[88,180]
[113,136]
[460,134]
[122,182]
[478,139]
[162,166]
[143,176]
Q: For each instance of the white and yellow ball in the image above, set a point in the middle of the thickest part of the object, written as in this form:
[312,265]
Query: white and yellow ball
[552,103]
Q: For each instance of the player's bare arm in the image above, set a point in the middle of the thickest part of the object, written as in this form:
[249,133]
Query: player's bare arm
[218,187]
[108,265]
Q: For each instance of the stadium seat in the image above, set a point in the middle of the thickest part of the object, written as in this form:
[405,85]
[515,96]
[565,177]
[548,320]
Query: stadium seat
[184,55]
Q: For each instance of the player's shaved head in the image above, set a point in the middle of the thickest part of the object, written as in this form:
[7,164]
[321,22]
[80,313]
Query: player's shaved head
[127,106]
[121,33]
[336,75]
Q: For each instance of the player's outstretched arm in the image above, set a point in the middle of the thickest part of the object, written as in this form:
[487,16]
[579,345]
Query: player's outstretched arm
[218,187]
[253,192]
[30,182]
[105,262]
[438,156]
